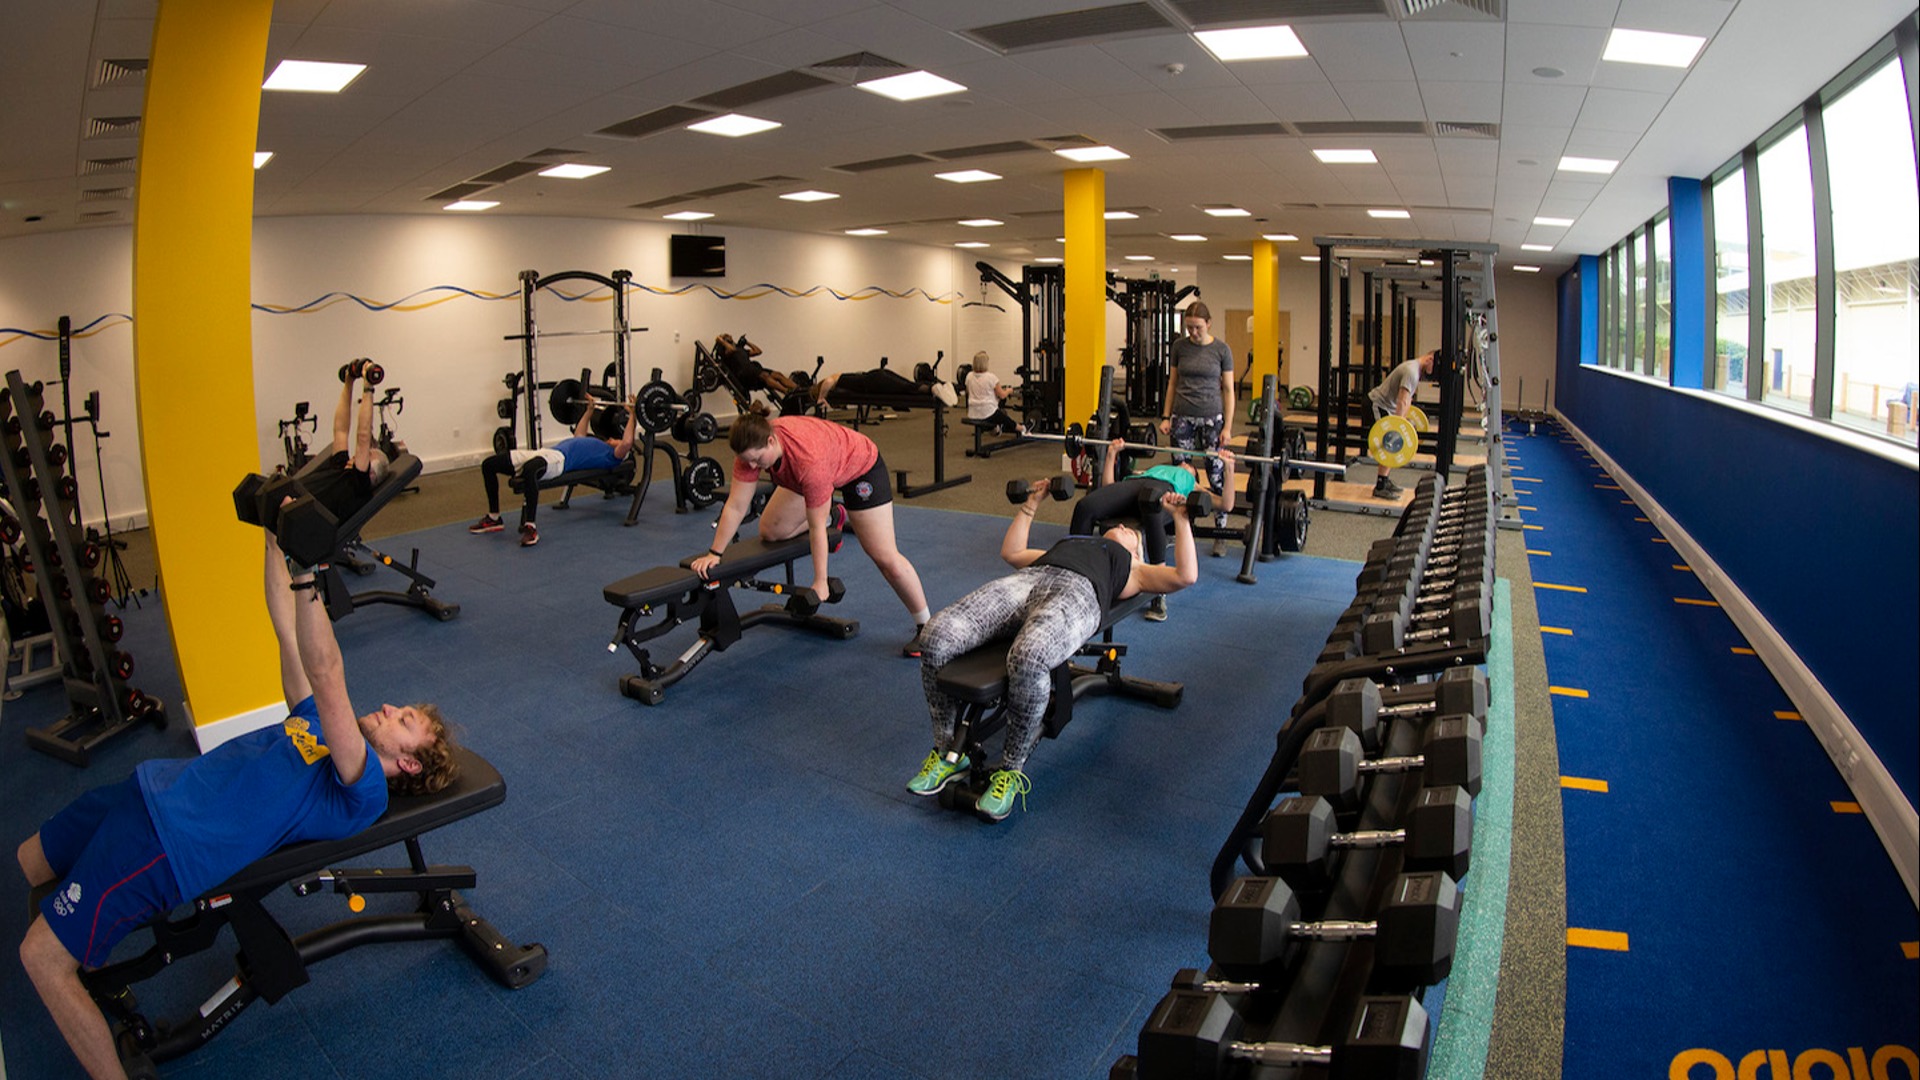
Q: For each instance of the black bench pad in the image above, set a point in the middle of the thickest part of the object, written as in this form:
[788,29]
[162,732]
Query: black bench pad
[651,586]
[980,674]
[619,475]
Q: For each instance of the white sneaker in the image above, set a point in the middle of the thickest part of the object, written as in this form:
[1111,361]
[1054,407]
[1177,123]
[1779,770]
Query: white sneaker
[944,392]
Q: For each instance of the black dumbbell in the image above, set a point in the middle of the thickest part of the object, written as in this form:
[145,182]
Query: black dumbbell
[1256,927]
[1211,981]
[1390,631]
[1298,837]
[1059,487]
[1199,504]
[365,369]
[1196,1034]
[1359,704]
[804,601]
[1332,761]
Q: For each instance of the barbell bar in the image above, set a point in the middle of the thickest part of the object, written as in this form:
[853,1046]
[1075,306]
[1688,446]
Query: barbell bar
[1074,440]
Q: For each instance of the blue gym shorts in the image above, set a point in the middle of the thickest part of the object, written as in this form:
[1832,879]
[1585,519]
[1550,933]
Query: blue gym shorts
[113,874]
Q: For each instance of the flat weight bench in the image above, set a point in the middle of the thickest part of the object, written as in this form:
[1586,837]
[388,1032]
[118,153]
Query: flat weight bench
[270,963]
[611,483]
[687,597]
[978,680]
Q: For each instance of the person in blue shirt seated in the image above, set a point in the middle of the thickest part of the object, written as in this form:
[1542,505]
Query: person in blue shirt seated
[582,451]
[119,855]
[1125,499]
[1055,600]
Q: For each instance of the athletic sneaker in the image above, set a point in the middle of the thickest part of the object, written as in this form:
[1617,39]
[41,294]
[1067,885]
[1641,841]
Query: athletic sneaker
[936,773]
[1219,547]
[1157,609]
[913,648]
[487,524]
[944,392]
[996,802]
[529,534]
[1385,488]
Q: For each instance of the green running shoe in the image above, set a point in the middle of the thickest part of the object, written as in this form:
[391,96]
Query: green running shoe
[936,773]
[1003,786]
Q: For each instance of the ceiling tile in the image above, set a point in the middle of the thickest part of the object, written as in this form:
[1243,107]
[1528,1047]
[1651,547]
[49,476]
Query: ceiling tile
[1463,102]
[1457,52]
[1382,100]
[1359,51]
[1561,12]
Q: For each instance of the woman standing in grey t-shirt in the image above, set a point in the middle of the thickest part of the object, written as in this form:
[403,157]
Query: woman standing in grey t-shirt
[1199,401]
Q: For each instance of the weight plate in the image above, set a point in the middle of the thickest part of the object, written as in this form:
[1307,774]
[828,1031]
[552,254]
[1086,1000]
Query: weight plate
[706,376]
[1418,418]
[1293,521]
[1392,441]
[704,480]
[657,406]
[502,439]
[704,429]
[1300,398]
[563,404]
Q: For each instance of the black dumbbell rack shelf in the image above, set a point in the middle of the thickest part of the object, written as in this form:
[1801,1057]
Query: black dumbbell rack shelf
[102,702]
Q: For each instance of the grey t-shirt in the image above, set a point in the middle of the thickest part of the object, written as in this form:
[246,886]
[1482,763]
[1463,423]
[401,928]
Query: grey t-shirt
[1404,376]
[1196,387]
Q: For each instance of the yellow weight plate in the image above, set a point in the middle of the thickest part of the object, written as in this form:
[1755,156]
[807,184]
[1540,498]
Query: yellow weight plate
[1392,442]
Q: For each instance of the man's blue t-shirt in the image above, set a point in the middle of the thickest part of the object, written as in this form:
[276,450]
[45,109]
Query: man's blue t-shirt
[586,452]
[253,795]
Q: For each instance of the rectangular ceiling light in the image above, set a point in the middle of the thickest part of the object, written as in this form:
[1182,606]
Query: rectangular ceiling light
[1553,222]
[1238,258]
[982,222]
[1279,237]
[1536,247]
[312,76]
[911,86]
[1119,215]
[1527,269]
[972,244]
[1587,164]
[574,172]
[1346,157]
[1252,43]
[734,125]
[471,204]
[1652,47]
[261,157]
[810,196]
[1226,211]
[1085,154]
[967,176]
[1139,258]
[866,232]
[1309,258]
[1395,214]
[687,215]
[1187,237]
[1049,259]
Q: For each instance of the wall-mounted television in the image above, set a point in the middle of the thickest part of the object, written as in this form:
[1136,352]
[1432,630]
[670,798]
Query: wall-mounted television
[697,256]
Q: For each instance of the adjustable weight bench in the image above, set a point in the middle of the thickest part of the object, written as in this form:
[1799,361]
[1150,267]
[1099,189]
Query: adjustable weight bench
[270,963]
[978,680]
[687,596]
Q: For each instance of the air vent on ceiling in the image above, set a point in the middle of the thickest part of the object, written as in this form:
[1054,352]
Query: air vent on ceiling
[119,72]
[1204,13]
[883,163]
[1361,127]
[1069,27]
[1448,127]
[98,215]
[106,165]
[777,180]
[773,86]
[510,171]
[723,189]
[556,152]
[658,203]
[982,150]
[657,120]
[457,191]
[106,194]
[1221,131]
[1061,142]
[112,127]
[859,67]
[1491,9]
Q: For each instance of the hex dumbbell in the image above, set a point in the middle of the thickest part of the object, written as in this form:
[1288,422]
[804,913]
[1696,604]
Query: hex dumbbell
[1391,631]
[1059,488]
[1299,837]
[1195,1034]
[1255,928]
[1332,761]
[1359,704]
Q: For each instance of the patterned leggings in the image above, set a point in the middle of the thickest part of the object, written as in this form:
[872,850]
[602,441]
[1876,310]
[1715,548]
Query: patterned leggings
[1050,610]
[1201,433]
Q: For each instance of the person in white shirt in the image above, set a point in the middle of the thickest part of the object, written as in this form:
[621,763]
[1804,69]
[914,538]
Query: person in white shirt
[986,398]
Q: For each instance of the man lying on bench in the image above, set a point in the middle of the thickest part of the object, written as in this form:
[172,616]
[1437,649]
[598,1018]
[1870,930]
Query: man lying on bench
[1055,601]
[577,459]
[124,853]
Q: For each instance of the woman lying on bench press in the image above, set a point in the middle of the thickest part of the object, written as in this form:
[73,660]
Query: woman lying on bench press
[1052,603]
[879,382]
[1123,499]
[809,459]
[580,452]
[178,827]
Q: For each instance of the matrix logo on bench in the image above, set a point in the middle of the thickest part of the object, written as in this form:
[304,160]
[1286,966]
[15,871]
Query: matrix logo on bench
[1854,1065]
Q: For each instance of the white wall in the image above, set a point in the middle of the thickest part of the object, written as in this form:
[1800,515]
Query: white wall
[445,349]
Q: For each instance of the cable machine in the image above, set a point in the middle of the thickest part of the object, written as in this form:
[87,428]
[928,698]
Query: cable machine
[1041,293]
[1152,314]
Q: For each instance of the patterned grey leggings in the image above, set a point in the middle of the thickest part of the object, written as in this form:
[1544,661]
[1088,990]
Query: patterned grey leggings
[1054,611]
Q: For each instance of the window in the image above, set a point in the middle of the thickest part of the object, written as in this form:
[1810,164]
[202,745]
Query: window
[1637,322]
[1623,307]
[1876,240]
[1787,250]
[1662,300]
[1730,285]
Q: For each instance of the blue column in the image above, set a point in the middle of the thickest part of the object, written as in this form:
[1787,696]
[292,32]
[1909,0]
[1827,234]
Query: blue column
[1692,261]
[1589,309]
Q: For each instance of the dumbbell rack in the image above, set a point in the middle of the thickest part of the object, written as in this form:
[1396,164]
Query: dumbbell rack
[102,704]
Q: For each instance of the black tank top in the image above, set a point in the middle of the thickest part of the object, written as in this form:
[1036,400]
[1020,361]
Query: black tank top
[338,486]
[1096,558]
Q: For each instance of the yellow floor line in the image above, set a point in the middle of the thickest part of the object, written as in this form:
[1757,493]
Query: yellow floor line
[1609,487]
[1626,502]
[1611,940]
[1784,714]
[1548,554]
[1561,588]
[1661,540]
[1683,567]
[1643,521]
[1845,807]
[1535,509]
[1556,630]
[1535,528]
[1567,691]
[1911,949]
[1740,651]
[1696,603]
[1581,783]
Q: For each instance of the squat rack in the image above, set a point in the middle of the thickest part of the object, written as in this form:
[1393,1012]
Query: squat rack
[528,382]
[1469,346]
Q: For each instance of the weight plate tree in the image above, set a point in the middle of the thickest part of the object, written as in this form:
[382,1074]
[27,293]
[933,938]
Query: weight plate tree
[95,674]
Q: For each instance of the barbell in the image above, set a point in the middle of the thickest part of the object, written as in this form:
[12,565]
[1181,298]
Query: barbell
[1393,441]
[1076,440]
[571,400]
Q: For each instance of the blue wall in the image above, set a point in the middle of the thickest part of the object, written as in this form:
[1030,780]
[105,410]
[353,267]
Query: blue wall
[1822,538]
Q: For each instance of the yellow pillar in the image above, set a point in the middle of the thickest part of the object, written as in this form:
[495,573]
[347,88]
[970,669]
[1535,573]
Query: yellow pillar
[1085,201]
[193,347]
[1266,314]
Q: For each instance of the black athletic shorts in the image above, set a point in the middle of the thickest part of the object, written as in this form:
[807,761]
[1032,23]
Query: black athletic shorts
[870,489]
